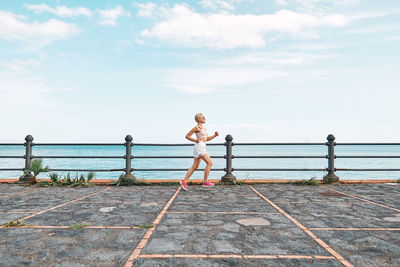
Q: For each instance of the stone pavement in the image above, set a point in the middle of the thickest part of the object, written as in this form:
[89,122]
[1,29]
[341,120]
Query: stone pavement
[246,225]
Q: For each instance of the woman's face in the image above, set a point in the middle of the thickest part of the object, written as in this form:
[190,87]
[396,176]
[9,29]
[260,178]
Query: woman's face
[203,119]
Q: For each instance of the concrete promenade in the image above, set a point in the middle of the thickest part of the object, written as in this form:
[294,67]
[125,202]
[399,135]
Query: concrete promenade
[241,225]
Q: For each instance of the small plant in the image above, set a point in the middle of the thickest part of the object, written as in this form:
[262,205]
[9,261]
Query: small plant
[146,226]
[56,180]
[77,226]
[14,223]
[36,168]
[311,181]
[122,181]
[326,180]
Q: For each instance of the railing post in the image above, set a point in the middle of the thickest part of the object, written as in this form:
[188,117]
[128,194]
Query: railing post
[228,177]
[331,176]
[128,158]
[28,177]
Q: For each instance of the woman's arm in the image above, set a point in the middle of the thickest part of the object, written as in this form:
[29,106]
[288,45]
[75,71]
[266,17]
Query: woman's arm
[189,134]
[213,136]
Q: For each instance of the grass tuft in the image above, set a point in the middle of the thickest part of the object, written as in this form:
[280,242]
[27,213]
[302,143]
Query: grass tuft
[311,182]
[146,226]
[77,226]
[14,223]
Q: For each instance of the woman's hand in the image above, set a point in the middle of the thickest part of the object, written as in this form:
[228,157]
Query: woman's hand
[196,141]
[216,134]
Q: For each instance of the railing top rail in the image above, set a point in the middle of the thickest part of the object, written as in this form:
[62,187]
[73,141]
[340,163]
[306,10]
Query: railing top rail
[149,144]
[11,144]
[77,144]
[278,144]
[368,144]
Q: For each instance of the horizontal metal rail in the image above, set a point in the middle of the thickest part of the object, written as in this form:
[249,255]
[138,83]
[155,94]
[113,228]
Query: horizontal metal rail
[173,169]
[279,157]
[86,170]
[12,157]
[171,157]
[267,170]
[278,144]
[10,169]
[367,144]
[11,144]
[367,157]
[368,170]
[77,144]
[208,144]
[77,157]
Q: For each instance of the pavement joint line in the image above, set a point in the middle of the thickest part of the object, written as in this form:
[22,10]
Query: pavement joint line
[136,252]
[353,229]
[20,192]
[16,212]
[67,227]
[311,202]
[61,205]
[236,256]
[305,229]
[220,212]
[362,199]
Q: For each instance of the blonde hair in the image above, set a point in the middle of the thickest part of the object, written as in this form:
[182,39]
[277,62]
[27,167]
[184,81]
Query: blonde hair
[197,116]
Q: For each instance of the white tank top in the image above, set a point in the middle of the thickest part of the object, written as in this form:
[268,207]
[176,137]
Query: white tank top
[202,133]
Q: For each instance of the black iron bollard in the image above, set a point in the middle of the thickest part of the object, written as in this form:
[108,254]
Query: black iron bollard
[128,157]
[28,177]
[331,176]
[228,177]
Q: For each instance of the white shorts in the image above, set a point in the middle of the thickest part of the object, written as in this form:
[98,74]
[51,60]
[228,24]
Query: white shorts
[199,149]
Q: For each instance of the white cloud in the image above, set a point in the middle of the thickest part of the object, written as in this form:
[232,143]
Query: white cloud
[145,10]
[320,5]
[276,59]
[281,2]
[15,27]
[61,11]
[216,4]
[184,26]
[139,41]
[109,17]
[19,65]
[208,80]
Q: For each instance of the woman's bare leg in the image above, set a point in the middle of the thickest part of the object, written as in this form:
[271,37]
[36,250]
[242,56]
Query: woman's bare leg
[207,169]
[196,163]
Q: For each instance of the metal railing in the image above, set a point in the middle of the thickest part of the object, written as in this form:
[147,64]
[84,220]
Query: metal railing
[228,177]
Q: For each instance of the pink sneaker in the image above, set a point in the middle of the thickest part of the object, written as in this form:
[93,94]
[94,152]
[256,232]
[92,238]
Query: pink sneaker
[183,184]
[207,184]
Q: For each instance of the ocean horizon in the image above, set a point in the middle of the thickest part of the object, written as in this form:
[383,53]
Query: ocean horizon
[276,150]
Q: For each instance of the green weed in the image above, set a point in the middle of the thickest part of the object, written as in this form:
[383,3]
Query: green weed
[14,223]
[146,226]
[77,226]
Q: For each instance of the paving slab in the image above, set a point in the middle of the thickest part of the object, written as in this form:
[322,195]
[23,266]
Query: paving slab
[354,214]
[130,214]
[234,262]
[296,193]
[12,189]
[220,198]
[365,248]
[366,189]
[220,233]
[64,247]
[43,198]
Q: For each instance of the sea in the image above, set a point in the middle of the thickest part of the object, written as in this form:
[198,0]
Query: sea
[264,150]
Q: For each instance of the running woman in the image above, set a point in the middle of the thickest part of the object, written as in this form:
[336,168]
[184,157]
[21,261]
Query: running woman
[199,151]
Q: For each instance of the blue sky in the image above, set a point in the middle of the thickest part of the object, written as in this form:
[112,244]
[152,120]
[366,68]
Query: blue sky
[282,70]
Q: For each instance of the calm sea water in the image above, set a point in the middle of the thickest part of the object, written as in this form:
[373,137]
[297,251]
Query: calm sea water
[218,163]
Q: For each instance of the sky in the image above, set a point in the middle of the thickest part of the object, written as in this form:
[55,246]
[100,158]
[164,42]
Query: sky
[262,71]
